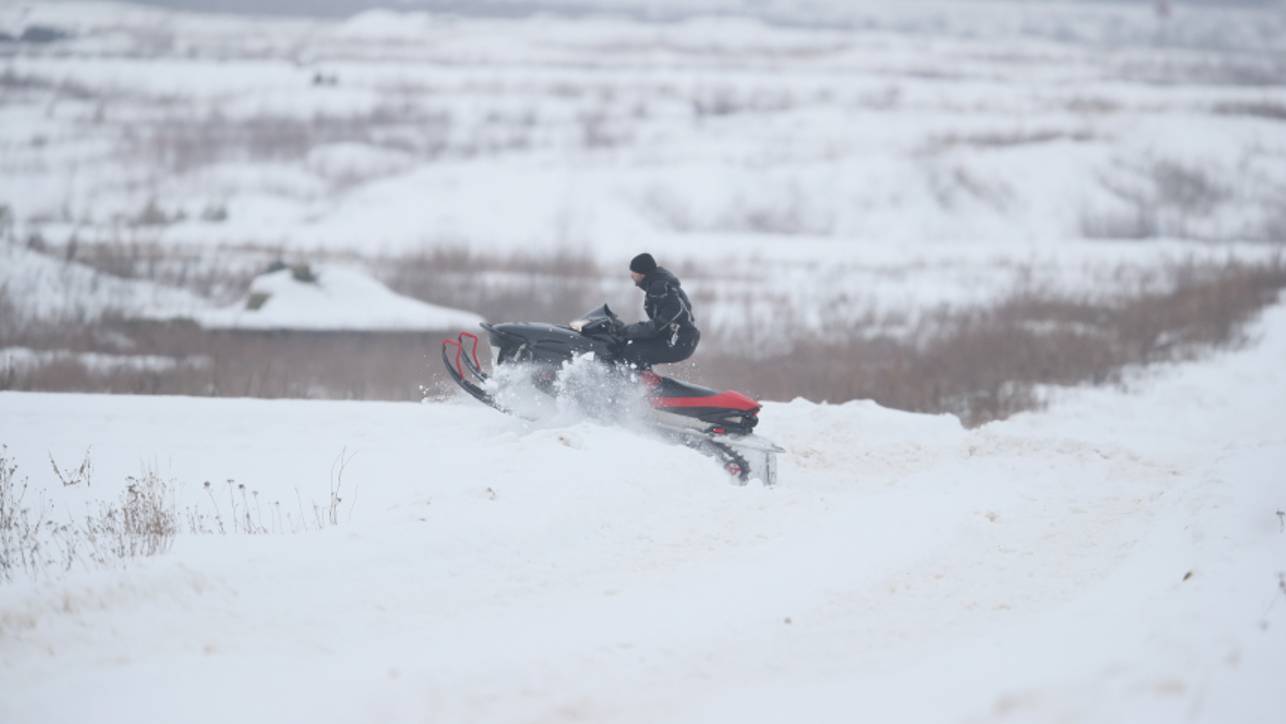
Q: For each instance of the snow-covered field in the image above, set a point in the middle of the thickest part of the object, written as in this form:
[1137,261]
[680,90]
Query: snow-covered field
[1119,558]
[389,132]
[963,149]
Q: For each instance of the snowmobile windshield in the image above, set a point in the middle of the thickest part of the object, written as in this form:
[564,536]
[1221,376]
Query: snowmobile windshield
[602,319]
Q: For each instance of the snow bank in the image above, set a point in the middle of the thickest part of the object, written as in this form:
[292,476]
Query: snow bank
[337,299]
[1116,558]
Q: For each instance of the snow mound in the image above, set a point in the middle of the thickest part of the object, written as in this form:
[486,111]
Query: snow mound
[382,24]
[333,298]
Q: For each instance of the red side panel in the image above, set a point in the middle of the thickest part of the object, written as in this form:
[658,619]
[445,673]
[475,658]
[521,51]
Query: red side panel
[728,400]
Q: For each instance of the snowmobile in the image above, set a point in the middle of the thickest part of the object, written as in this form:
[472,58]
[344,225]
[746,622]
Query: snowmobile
[719,424]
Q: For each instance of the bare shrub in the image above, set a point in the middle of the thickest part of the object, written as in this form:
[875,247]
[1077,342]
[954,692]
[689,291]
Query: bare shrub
[1004,139]
[33,544]
[220,273]
[731,100]
[182,143]
[22,531]
[540,286]
[13,81]
[82,473]
[153,215]
[1093,105]
[1158,197]
[14,321]
[1271,110]
[958,181]
[1186,187]
[1249,69]
[245,513]
[599,130]
[1137,221]
[245,509]
[142,523]
[336,487]
[36,543]
[1273,228]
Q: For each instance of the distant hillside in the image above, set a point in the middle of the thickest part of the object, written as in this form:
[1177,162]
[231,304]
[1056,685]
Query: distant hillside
[655,8]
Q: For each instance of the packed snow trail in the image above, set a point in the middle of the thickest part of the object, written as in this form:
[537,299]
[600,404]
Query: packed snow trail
[486,571]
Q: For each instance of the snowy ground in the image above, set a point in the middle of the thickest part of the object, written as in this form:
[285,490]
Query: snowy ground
[1118,558]
[882,160]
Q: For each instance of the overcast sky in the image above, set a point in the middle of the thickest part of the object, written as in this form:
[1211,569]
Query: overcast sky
[348,7]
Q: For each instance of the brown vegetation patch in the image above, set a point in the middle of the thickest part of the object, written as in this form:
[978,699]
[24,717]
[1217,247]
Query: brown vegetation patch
[1006,139]
[988,364]
[979,363]
[1272,110]
[1158,198]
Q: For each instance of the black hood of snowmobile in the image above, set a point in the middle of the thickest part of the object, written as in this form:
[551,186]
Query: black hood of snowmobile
[542,343]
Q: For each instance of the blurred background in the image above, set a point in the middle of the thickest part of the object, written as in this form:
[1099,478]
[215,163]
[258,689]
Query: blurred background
[943,206]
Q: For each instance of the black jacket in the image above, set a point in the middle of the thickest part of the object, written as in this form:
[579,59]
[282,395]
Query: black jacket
[668,310]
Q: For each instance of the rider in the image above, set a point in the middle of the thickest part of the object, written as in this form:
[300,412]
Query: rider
[670,332]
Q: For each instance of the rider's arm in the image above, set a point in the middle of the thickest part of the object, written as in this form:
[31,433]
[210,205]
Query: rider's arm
[664,305]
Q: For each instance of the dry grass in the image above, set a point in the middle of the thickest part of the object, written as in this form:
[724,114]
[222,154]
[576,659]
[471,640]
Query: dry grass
[1245,69]
[180,143]
[988,364]
[16,83]
[143,523]
[20,547]
[1271,110]
[338,365]
[1005,139]
[221,273]
[981,364]
[556,285]
[1158,198]
[35,543]
[715,101]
